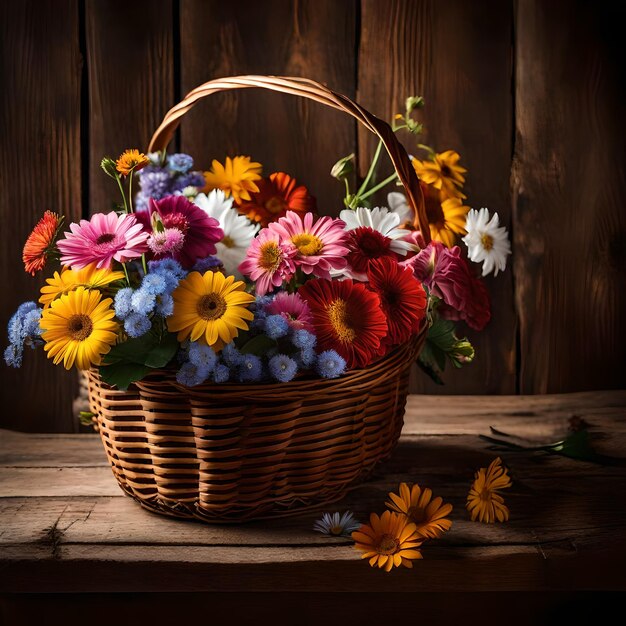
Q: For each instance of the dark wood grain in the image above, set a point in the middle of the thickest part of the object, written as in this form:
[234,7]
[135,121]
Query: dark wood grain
[457,55]
[61,533]
[311,38]
[40,169]
[569,185]
[131,82]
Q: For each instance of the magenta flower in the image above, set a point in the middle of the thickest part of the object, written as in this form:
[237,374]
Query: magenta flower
[321,247]
[101,239]
[449,277]
[197,232]
[269,261]
[293,308]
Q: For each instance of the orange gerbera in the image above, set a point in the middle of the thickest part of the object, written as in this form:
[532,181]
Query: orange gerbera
[236,178]
[276,195]
[40,243]
[483,501]
[427,514]
[388,541]
[130,161]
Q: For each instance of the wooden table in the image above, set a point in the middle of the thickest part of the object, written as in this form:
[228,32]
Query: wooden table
[66,527]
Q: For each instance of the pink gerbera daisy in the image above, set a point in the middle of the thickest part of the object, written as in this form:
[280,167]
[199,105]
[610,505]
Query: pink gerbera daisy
[293,308]
[197,232]
[100,240]
[269,261]
[321,247]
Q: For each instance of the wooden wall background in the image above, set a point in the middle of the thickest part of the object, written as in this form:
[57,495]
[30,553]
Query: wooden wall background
[529,92]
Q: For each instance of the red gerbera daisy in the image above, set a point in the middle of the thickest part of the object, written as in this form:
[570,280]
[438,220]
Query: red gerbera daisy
[366,244]
[402,297]
[347,318]
[40,242]
[277,194]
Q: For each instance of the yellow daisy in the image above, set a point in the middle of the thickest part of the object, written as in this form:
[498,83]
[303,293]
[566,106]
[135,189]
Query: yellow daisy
[78,328]
[443,173]
[388,541]
[131,161]
[445,216]
[235,178]
[89,277]
[483,501]
[428,515]
[210,308]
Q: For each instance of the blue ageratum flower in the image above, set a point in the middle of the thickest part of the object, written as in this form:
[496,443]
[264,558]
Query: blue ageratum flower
[206,264]
[137,325]
[221,373]
[191,375]
[308,357]
[166,266]
[192,179]
[202,356]
[122,303]
[154,283]
[250,369]
[231,356]
[155,182]
[13,355]
[23,329]
[282,368]
[180,163]
[276,326]
[143,302]
[303,339]
[330,364]
[164,305]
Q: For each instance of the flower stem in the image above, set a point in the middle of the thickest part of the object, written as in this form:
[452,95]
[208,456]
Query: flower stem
[119,184]
[143,262]
[130,192]
[380,185]
[126,272]
[370,172]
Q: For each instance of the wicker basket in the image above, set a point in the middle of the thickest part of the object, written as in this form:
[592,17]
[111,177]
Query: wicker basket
[233,452]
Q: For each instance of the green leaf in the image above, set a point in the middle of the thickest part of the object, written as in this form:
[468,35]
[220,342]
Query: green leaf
[149,349]
[258,345]
[121,374]
[163,352]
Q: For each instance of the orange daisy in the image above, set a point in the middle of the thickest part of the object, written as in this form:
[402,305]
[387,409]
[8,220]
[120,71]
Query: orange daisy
[131,161]
[443,172]
[40,242]
[388,541]
[484,502]
[236,178]
[446,216]
[428,515]
[276,195]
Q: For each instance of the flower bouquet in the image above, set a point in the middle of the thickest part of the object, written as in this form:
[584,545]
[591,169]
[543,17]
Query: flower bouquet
[246,356]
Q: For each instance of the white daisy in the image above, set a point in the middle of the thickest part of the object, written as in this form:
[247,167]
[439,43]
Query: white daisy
[334,525]
[382,220]
[398,205]
[239,231]
[486,241]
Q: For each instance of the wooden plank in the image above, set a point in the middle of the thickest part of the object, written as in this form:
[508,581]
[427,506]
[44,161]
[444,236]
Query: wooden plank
[310,38]
[40,168]
[411,47]
[568,199]
[130,62]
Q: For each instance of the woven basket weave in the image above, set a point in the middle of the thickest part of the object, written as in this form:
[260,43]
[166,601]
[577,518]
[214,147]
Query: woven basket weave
[233,452]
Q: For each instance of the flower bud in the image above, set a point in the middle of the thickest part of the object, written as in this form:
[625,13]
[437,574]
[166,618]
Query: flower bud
[157,223]
[108,165]
[343,167]
[413,102]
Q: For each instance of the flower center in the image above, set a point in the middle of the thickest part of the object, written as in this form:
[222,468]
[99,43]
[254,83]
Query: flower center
[228,242]
[446,171]
[485,495]
[335,530]
[307,244]
[338,316]
[275,205]
[270,256]
[416,514]
[487,241]
[105,238]
[432,202]
[176,220]
[79,327]
[370,242]
[388,545]
[211,306]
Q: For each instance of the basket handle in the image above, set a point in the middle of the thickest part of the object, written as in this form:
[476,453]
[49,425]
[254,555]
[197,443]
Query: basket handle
[314,91]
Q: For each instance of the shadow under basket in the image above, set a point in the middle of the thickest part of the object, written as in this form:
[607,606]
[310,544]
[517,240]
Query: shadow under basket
[235,452]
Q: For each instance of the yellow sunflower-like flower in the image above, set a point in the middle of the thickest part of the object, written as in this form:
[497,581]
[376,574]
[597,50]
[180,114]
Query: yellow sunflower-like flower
[446,217]
[131,161]
[443,173]
[235,178]
[78,328]
[428,515]
[89,277]
[484,502]
[210,308]
[388,541]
